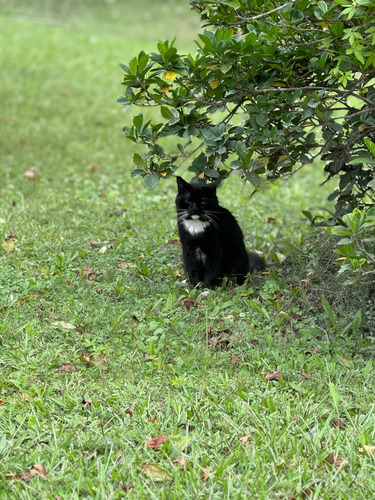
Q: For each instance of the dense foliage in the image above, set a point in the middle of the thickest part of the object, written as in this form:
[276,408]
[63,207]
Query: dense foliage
[273,86]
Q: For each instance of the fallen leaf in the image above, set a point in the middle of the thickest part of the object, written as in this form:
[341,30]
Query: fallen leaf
[336,462]
[129,412]
[367,450]
[306,375]
[103,249]
[298,317]
[7,245]
[207,471]
[245,439]
[181,462]
[237,359]
[156,473]
[188,303]
[99,361]
[63,325]
[87,271]
[29,174]
[337,422]
[37,469]
[26,397]
[344,360]
[67,367]
[276,375]
[156,442]
[127,487]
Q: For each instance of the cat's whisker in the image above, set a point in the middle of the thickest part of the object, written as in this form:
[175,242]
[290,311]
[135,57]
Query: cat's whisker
[209,219]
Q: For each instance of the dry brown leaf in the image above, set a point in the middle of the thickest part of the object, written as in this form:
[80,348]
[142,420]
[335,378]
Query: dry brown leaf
[344,360]
[315,350]
[188,303]
[276,375]
[87,271]
[298,317]
[67,367]
[336,462]
[245,439]
[156,442]
[306,375]
[337,422]
[127,487]
[254,342]
[181,462]
[207,471]
[29,174]
[237,359]
[37,469]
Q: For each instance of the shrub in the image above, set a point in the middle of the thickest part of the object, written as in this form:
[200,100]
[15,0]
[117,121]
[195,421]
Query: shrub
[273,86]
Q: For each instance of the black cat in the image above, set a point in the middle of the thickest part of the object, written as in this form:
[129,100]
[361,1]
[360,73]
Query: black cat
[212,241]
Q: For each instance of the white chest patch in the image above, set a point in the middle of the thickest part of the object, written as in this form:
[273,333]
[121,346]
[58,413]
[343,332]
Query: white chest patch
[195,226]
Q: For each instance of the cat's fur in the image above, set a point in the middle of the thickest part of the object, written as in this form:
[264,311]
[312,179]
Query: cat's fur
[212,241]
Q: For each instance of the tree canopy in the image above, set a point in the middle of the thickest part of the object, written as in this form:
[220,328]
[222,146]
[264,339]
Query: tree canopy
[272,86]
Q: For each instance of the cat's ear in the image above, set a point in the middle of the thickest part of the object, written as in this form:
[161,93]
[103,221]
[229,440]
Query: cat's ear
[183,186]
[215,184]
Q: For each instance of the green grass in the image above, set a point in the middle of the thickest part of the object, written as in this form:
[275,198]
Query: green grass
[142,364]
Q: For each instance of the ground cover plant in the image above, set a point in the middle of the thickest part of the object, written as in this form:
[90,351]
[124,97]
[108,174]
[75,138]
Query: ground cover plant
[115,379]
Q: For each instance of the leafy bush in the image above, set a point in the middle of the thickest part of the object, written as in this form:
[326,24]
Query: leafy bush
[356,248]
[273,86]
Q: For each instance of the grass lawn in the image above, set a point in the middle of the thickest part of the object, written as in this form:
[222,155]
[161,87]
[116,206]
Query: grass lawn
[264,391]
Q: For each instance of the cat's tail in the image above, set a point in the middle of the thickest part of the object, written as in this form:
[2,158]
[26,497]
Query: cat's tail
[256,262]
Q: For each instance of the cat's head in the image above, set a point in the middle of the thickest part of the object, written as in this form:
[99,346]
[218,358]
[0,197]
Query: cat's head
[196,201]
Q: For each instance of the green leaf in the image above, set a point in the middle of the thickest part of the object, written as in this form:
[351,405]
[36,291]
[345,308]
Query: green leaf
[258,308]
[139,161]
[253,179]
[166,113]
[151,181]
[357,321]
[133,66]
[328,310]
[142,61]
[138,121]
[334,392]
[370,145]
[262,119]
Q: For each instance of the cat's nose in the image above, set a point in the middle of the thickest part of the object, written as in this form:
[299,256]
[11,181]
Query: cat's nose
[194,206]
